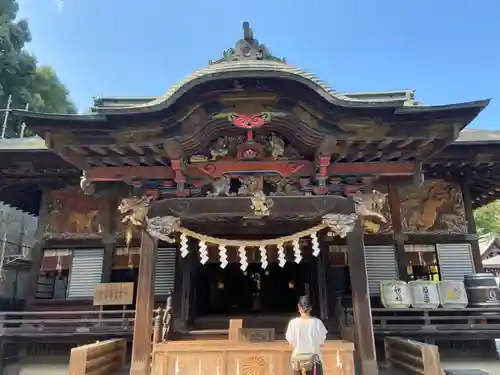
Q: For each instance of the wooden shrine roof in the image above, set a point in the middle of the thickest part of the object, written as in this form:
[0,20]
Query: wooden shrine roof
[310,116]
[27,166]
[390,131]
[249,81]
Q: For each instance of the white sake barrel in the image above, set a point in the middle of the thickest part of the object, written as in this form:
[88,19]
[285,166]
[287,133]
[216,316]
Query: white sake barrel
[395,294]
[424,294]
[453,294]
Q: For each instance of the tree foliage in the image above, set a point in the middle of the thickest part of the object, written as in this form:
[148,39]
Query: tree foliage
[49,94]
[488,218]
[19,76]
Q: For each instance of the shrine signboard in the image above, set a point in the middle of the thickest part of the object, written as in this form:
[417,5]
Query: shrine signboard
[106,294]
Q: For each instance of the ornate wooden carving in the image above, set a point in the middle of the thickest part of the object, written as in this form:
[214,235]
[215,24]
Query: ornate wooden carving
[436,207]
[375,209]
[189,208]
[216,170]
[72,213]
[256,358]
[284,167]
[264,146]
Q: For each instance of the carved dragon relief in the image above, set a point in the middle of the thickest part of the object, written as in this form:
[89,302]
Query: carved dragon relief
[134,211]
[370,207]
[435,207]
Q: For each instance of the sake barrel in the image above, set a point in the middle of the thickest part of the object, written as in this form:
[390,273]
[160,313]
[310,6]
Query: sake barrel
[424,294]
[482,290]
[395,294]
[452,294]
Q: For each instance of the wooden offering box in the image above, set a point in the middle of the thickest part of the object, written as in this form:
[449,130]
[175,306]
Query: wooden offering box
[200,357]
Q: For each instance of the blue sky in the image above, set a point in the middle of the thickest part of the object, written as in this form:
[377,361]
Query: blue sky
[448,50]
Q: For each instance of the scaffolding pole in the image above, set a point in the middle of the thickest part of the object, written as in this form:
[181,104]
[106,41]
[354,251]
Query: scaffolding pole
[6,116]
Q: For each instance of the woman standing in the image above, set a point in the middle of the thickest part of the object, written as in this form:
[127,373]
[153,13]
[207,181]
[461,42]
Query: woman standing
[306,334]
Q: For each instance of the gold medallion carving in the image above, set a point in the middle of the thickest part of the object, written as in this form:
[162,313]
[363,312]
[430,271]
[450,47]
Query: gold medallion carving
[255,365]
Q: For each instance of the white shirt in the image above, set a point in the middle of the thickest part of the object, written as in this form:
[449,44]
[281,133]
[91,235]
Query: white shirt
[306,335]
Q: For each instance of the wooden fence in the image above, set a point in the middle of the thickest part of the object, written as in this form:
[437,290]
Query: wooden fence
[101,358]
[412,357]
[469,323]
[54,323]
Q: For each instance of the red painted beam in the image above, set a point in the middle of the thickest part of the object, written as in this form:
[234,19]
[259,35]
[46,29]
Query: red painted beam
[287,168]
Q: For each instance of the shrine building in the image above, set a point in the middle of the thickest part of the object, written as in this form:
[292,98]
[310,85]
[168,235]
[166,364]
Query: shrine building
[249,183]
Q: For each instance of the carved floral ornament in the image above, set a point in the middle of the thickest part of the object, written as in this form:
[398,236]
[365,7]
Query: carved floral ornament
[163,227]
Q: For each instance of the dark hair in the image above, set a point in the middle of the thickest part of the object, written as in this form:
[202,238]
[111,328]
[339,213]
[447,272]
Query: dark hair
[304,304]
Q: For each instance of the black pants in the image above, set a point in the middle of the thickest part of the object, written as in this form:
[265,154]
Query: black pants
[318,367]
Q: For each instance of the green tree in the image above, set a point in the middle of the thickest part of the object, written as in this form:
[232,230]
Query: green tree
[488,218]
[49,94]
[20,78]
[17,67]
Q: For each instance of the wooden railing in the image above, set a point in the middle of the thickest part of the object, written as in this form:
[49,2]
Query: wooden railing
[412,357]
[56,323]
[102,358]
[243,351]
[475,322]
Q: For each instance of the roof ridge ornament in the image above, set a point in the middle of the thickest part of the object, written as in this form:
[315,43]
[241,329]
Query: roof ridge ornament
[247,48]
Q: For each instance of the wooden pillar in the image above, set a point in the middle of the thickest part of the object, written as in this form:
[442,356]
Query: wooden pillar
[185,313]
[471,227]
[37,250]
[322,265]
[109,218]
[399,237]
[363,325]
[143,326]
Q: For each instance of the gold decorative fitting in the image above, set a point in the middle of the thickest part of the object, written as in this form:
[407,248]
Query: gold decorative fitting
[261,204]
[134,211]
[255,365]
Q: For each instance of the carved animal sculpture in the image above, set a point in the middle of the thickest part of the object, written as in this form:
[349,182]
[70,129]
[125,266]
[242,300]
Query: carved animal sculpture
[134,211]
[340,224]
[369,207]
[283,185]
[276,146]
[261,204]
[219,149]
[163,227]
[249,185]
[81,222]
[221,186]
[424,216]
